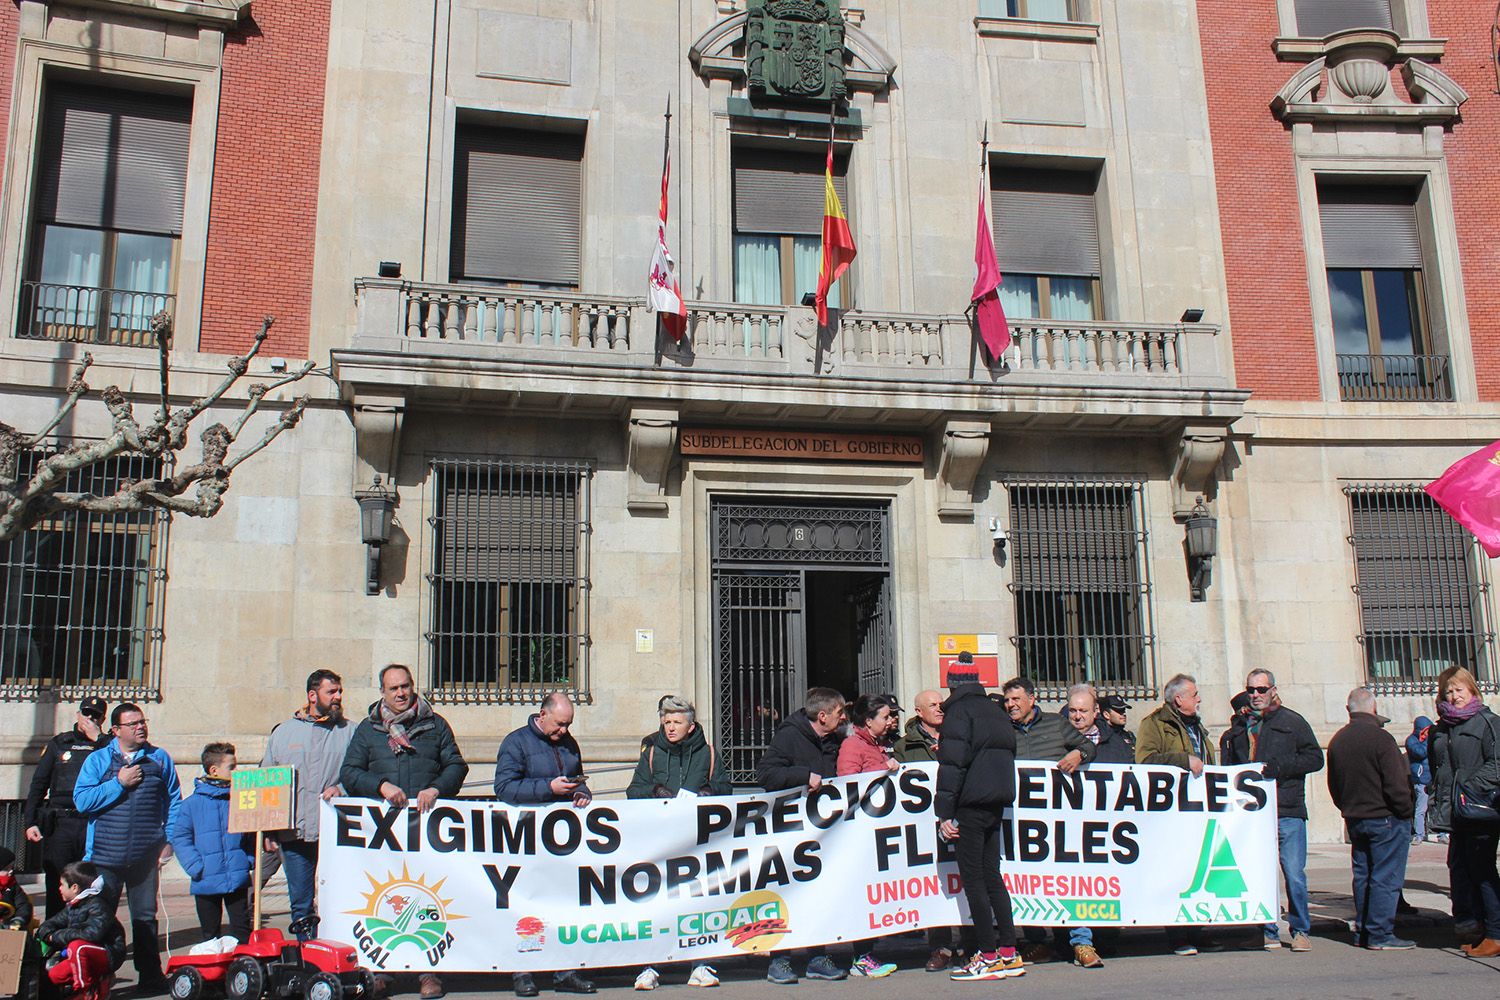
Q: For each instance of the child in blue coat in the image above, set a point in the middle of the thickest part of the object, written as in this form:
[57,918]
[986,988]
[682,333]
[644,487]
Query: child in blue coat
[218,862]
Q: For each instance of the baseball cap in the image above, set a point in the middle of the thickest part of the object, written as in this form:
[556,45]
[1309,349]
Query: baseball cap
[1114,703]
[93,707]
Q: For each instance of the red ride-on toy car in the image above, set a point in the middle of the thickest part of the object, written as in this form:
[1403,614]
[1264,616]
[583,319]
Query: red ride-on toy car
[274,967]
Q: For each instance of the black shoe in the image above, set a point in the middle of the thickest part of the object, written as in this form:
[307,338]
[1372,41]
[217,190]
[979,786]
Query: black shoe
[150,986]
[573,983]
[524,985]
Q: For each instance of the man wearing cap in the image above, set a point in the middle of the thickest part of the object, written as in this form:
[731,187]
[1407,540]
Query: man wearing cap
[1112,709]
[49,816]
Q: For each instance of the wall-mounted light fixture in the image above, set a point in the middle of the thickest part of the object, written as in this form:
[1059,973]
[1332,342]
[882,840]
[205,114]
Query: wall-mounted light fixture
[1201,543]
[389,269]
[1194,315]
[377,509]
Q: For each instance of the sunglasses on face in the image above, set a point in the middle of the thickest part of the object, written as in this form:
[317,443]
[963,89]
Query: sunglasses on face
[1257,690]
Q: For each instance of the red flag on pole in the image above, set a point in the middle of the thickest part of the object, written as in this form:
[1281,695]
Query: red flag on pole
[838,242]
[994,330]
[1470,492]
[663,293]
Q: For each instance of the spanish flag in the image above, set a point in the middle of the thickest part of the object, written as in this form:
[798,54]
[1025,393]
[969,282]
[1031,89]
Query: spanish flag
[838,242]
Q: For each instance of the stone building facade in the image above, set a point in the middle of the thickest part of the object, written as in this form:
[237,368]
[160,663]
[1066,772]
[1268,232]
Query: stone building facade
[453,206]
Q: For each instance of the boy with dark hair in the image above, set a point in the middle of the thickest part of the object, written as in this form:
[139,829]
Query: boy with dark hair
[218,862]
[85,943]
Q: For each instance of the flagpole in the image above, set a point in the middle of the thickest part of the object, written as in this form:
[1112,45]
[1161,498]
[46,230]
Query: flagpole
[666,159]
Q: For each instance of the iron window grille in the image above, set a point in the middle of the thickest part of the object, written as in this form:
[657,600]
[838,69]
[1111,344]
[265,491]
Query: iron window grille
[1422,586]
[509,581]
[82,594]
[13,836]
[1080,573]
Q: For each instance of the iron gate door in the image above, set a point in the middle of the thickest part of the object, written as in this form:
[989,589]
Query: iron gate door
[873,635]
[760,648]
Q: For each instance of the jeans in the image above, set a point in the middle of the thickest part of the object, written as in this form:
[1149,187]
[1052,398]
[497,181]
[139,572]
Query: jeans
[1473,878]
[1377,850]
[139,884]
[1419,819]
[979,869]
[213,906]
[299,858]
[1291,842]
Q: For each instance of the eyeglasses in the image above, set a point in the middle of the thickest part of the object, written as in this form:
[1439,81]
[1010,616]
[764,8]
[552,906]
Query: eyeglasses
[134,724]
[1257,690]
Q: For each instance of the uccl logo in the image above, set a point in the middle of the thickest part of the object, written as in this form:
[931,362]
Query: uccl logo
[755,922]
[404,912]
[1218,875]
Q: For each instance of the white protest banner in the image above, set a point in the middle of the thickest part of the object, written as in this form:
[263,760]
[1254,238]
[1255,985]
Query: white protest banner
[477,886]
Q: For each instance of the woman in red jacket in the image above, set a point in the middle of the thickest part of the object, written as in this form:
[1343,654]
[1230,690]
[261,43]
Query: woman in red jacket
[873,720]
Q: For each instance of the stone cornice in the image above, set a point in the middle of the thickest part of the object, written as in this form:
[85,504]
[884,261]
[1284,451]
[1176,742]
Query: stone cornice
[222,14]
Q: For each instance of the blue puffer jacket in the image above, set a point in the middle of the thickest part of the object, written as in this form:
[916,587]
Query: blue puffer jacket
[1416,751]
[528,762]
[126,825]
[216,860]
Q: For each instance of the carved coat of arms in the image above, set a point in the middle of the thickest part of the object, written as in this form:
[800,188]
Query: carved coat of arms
[795,49]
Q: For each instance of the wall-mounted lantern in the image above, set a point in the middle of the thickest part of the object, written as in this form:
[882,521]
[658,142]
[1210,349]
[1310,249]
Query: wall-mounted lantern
[1201,543]
[377,509]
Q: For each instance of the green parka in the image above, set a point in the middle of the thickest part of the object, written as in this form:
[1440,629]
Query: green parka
[1163,739]
[667,767]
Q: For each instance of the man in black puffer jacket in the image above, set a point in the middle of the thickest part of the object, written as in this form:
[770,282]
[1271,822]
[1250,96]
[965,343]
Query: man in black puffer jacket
[976,780]
[1281,740]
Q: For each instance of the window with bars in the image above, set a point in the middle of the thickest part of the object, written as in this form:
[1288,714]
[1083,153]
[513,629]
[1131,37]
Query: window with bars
[1079,572]
[509,582]
[111,177]
[81,594]
[1421,586]
[1319,18]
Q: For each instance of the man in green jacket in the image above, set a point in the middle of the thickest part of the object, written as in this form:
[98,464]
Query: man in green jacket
[1173,734]
[919,742]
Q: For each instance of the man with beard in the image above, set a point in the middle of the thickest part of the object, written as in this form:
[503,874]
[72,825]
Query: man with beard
[314,741]
[404,752]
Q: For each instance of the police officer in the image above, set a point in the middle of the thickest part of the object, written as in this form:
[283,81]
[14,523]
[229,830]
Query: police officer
[55,824]
[1112,709]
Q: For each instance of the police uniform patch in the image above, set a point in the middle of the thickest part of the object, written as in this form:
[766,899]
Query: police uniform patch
[67,755]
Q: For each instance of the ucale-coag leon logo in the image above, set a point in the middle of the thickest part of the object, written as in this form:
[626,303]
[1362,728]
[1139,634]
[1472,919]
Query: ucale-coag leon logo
[755,922]
[402,912]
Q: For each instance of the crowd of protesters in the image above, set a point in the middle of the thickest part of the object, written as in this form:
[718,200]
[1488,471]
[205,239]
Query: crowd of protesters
[106,808]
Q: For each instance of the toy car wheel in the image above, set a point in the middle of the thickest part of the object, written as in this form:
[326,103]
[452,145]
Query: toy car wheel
[323,986]
[367,985]
[186,984]
[245,979]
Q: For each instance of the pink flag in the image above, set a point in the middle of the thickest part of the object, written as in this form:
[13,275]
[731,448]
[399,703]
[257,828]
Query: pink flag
[993,328]
[1470,492]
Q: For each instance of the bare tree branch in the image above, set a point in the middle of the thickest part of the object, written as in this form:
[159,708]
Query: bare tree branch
[195,489]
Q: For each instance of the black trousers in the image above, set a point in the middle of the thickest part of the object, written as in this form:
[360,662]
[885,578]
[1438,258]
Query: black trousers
[213,906]
[62,845]
[979,868]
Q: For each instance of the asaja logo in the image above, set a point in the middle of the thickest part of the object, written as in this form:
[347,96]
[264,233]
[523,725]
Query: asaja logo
[404,912]
[1218,875]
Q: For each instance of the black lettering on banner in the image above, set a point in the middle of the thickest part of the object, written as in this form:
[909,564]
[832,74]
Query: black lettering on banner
[1216,785]
[1127,850]
[572,832]
[886,846]
[915,789]
[1185,801]
[452,839]
[887,789]
[606,835]
[1095,841]
[809,862]
[1245,782]
[347,832]
[713,818]
[502,881]
[1032,834]
[413,830]
[750,813]
[1031,790]
[815,815]
[785,814]
[1100,780]
[915,856]
[477,829]
[384,834]
[1060,851]
[1130,793]
[513,831]
[592,885]
[1067,787]
[772,869]
[1159,798]
[682,871]
[630,881]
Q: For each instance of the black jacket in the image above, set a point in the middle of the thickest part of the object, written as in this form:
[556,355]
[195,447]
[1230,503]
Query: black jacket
[1466,753]
[796,753]
[85,919]
[1115,746]
[56,773]
[976,756]
[434,761]
[15,906]
[1367,775]
[1290,753]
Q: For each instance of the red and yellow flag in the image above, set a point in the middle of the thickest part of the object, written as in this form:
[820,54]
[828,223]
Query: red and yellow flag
[838,242]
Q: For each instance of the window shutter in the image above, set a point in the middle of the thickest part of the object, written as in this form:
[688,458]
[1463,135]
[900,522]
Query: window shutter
[1073,538]
[1316,18]
[1373,227]
[783,194]
[1045,222]
[113,159]
[517,205]
[1411,564]
[509,527]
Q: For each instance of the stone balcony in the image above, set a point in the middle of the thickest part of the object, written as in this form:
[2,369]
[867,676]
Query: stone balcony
[431,344]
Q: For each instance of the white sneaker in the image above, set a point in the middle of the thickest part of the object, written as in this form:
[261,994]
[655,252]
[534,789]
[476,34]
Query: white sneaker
[648,979]
[703,975]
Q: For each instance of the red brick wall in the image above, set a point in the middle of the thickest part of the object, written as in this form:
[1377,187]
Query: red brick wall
[1270,315]
[10,33]
[265,189]
[1472,148]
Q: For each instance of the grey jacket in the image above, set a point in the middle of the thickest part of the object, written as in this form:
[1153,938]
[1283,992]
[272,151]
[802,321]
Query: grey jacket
[317,752]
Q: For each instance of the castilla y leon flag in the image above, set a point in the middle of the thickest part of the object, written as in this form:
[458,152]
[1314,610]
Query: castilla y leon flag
[994,330]
[838,242]
[663,294]
[1470,492]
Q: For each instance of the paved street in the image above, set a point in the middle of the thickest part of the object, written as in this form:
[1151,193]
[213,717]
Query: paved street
[1141,965]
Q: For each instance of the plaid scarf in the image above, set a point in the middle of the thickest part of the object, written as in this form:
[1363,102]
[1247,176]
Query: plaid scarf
[401,727]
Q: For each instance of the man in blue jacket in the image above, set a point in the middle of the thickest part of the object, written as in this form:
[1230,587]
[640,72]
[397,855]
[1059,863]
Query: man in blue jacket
[540,764]
[129,794]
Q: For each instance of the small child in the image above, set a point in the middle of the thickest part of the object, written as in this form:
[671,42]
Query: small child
[85,943]
[218,862]
[15,905]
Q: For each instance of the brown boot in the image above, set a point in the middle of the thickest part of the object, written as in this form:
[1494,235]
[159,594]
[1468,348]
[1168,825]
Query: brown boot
[430,987]
[1488,948]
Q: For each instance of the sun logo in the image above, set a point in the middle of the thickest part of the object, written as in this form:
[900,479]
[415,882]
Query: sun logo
[406,911]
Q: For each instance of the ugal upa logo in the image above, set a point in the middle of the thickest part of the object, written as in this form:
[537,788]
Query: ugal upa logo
[1218,875]
[404,912]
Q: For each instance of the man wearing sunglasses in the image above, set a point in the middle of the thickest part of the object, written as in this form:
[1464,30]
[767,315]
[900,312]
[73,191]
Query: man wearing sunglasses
[1283,743]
